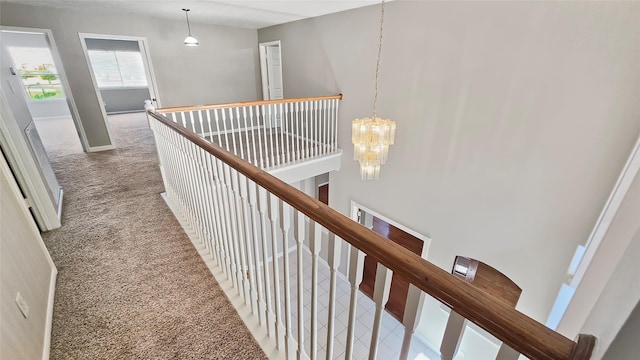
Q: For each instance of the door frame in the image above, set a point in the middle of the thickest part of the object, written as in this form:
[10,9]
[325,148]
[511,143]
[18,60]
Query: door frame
[426,244]
[355,207]
[71,103]
[264,74]
[149,71]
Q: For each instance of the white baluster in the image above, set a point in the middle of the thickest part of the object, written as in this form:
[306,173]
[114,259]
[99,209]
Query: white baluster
[238,131]
[312,125]
[286,116]
[217,119]
[380,296]
[452,335]
[254,219]
[297,131]
[258,144]
[273,218]
[315,245]
[316,127]
[193,122]
[300,235]
[252,160]
[271,143]
[202,133]
[217,236]
[355,277]
[280,123]
[240,239]
[226,132]
[321,127]
[335,125]
[238,271]
[188,165]
[412,312]
[224,211]
[285,225]
[265,138]
[210,137]
[232,130]
[335,250]
[263,208]
[202,198]
[306,130]
[327,125]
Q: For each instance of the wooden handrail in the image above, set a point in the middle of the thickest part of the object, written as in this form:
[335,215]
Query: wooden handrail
[517,330]
[245,103]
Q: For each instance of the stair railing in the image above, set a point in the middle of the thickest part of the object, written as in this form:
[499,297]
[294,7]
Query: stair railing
[242,218]
[267,133]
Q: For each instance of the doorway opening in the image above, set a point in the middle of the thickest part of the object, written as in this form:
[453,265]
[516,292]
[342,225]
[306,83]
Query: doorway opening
[271,70]
[39,118]
[400,234]
[121,72]
[40,80]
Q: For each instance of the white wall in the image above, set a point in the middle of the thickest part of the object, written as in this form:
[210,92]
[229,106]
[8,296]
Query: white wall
[610,288]
[223,68]
[626,345]
[514,121]
[25,267]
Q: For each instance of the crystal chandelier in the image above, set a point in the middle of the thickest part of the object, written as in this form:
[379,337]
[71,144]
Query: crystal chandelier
[190,40]
[372,136]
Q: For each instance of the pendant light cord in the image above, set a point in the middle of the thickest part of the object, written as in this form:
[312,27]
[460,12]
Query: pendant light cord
[186,12]
[375,96]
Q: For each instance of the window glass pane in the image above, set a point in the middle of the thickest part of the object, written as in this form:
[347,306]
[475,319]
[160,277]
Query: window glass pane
[105,68]
[118,68]
[131,68]
[38,72]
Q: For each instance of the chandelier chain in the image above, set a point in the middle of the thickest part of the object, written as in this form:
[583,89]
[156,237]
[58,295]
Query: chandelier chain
[375,96]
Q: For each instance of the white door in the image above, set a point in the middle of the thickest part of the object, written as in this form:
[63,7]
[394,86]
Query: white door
[28,148]
[271,68]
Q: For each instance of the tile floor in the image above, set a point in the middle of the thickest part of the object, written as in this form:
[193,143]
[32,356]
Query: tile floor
[391,333]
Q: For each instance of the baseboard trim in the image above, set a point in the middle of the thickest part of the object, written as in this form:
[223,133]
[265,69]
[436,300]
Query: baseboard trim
[261,336]
[100,148]
[58,117]
[125,112]
[49,320]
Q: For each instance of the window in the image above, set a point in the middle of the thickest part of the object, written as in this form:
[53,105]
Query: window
[38,73]
[118,68]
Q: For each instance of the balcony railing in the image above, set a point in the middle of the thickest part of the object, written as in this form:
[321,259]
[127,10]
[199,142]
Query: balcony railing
[269,133]
[242,219]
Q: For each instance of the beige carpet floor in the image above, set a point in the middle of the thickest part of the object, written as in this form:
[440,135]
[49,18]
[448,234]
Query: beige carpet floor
[130,283]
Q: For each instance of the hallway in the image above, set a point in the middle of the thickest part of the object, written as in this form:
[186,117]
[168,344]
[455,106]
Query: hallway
[130,283]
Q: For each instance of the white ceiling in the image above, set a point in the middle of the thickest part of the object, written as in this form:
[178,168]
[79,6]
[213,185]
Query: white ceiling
[252,14]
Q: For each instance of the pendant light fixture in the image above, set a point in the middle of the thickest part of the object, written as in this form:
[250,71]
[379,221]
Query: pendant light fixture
[190,40]
[372,136]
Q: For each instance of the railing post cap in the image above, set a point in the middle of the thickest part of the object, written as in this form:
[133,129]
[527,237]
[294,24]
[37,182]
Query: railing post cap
[148,106]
